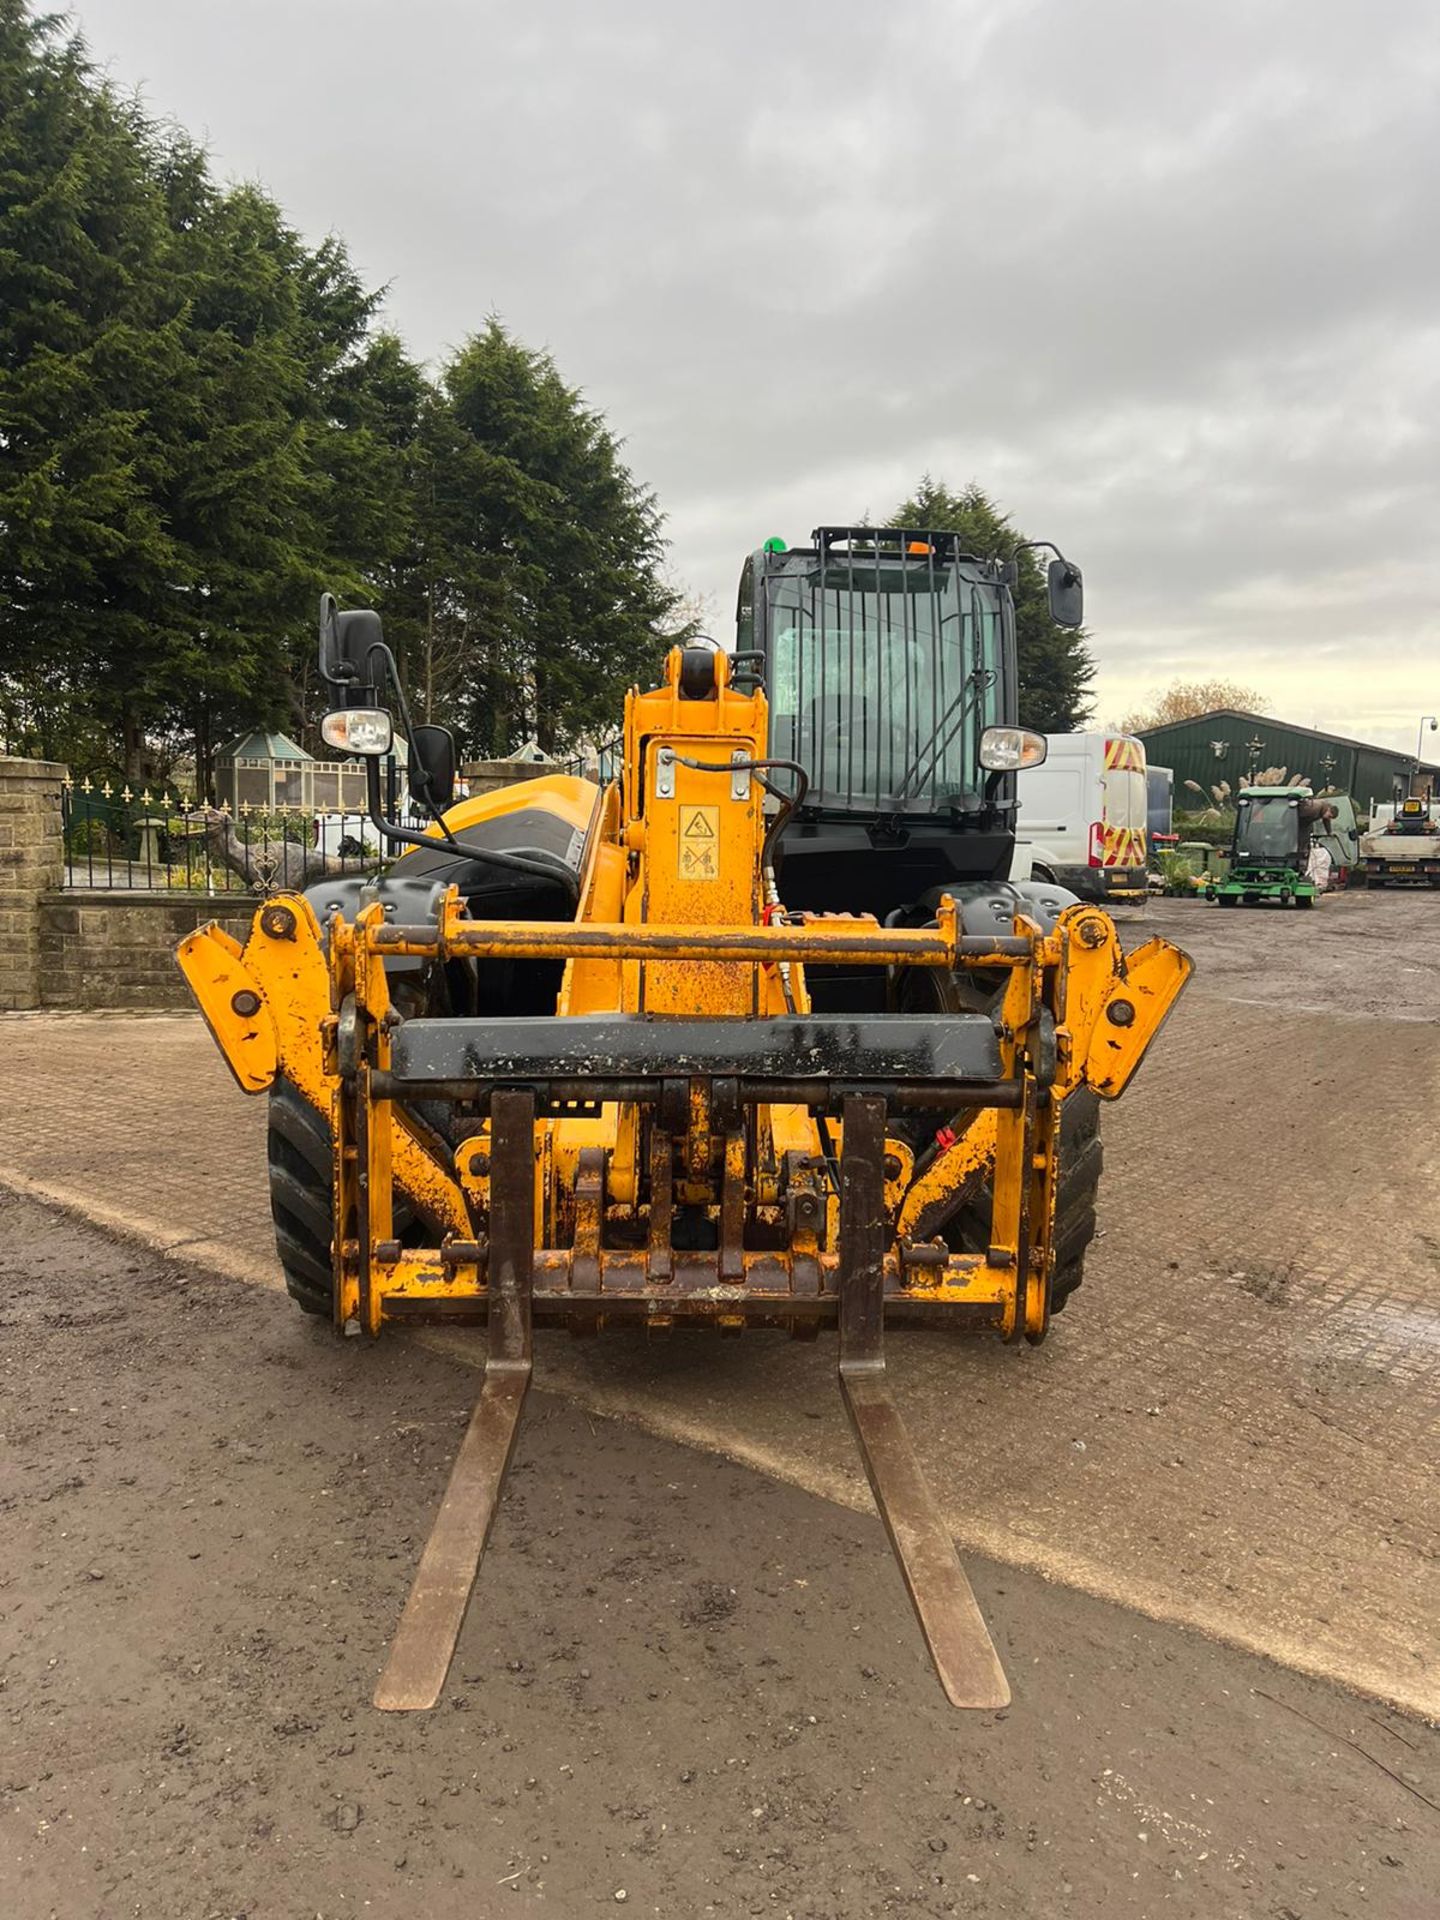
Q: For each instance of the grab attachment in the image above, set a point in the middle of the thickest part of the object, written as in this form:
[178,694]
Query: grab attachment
[964,1655]
[430,1625]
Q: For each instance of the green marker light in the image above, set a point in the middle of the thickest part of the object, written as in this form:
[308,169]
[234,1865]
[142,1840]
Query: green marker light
[775,545]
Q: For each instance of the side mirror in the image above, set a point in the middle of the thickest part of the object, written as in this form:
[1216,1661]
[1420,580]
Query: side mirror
[1067,593]
[431,770]
[345,643]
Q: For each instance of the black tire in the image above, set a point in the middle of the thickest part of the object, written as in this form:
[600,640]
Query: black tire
[302,1177]
[302,1189]
[1081,1162]
[1081,1156]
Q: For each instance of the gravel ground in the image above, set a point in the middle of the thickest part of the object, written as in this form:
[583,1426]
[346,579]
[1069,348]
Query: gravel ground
[683,1688]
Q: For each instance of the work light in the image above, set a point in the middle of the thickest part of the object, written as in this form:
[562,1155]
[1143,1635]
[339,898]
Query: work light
[365,730]
[1003,749]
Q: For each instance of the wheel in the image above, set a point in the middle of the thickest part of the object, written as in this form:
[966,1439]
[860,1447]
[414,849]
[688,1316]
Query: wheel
[1077,1182]
[1082,1160]
[302,1188]
[1305,900]
[1080,1157]
[1225,900]
[302,1178]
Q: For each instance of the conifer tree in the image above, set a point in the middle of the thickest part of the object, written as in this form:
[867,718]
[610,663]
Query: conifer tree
[1055,665]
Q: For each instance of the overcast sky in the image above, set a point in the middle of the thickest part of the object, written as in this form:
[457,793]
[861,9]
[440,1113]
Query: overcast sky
[1163,278]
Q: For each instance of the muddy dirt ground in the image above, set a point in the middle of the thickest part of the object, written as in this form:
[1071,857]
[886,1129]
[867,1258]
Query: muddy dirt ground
[1359,955]
[683,1689]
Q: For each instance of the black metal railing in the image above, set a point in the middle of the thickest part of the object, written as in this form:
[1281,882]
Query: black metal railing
[162,838]
[159,841]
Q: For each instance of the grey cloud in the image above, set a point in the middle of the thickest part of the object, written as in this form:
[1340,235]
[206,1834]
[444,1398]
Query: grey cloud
[1163,279]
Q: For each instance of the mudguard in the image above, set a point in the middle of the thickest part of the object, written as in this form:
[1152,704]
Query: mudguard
[410,900]
[990,906]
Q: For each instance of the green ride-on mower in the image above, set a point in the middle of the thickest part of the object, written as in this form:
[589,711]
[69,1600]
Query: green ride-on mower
[1270,853]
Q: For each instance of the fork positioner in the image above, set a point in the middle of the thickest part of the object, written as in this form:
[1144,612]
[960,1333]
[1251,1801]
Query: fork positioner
[684,1140]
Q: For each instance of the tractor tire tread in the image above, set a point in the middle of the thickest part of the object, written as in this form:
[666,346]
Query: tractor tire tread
[304,1210]
[1082,1160]
[308,1282]
[301,1180]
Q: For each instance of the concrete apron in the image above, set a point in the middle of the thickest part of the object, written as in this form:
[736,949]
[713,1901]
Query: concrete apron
[1231,1428]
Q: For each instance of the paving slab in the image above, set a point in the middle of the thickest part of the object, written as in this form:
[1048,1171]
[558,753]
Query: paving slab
[1233,1426]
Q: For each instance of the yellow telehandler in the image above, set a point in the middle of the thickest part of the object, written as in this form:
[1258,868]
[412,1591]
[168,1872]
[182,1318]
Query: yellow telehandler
[756,1035]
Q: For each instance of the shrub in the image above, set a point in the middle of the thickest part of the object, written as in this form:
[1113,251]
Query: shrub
[88,839]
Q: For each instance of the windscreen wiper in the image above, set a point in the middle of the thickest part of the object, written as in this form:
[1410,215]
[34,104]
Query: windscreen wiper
[949,724]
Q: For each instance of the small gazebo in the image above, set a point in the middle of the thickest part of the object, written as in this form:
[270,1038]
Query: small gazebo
[265,770]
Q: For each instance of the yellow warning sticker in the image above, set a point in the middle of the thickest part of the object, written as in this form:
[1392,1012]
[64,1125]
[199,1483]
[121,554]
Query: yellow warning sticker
[699,843]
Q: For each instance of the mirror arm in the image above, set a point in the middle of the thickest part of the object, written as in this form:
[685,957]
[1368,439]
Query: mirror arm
[391,829]
[1048,545]
[422,787]
[485,856]
[344,673]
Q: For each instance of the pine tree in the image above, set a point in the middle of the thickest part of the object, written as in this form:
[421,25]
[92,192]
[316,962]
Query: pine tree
[201,427]
[552,550]
[88,339]
[1055,664]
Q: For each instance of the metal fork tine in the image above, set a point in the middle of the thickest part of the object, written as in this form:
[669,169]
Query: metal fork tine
[960,1645]
[430,1625]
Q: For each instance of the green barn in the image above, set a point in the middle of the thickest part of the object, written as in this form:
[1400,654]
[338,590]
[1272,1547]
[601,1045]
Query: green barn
[1228,745]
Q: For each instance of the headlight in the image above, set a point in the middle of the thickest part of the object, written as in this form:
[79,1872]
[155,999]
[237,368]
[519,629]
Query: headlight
[1003,749]
[358,730]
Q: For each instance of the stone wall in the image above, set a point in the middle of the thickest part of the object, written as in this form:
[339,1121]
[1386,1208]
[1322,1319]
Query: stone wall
[117,949]
[31,861]
[70,947]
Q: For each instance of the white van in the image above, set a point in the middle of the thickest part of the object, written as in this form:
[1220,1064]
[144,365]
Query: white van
[1083,812]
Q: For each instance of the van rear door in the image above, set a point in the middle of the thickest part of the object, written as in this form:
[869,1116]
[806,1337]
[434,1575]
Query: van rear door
[1124,803]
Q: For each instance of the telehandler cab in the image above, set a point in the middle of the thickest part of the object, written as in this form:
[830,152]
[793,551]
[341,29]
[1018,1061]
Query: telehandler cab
[758,1035]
